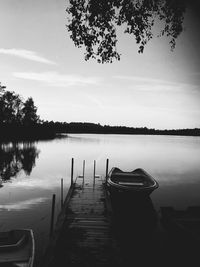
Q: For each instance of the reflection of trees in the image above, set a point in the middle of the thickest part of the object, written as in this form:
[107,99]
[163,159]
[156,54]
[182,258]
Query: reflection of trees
[17,157]
[14,111]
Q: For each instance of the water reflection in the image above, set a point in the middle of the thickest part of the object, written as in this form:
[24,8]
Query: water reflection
[22,205]
[135,215]
[135,222]
[90,138]
[15,157]
[172,161]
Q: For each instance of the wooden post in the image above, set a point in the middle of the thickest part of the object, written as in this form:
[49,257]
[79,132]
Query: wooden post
[83,171]
[94,168]
[52,213]
[107,163]
[72,171]
[61,198]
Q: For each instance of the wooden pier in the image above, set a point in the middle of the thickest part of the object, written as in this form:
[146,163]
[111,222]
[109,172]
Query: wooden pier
[93,231]
[83,233]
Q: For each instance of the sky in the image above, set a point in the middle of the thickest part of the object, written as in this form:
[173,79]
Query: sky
[157,89]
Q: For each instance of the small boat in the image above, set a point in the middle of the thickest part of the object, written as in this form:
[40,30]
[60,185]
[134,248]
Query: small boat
[136,183]
[17,248]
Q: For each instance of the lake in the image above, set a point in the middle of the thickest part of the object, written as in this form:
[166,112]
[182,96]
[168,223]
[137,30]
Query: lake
[32,172]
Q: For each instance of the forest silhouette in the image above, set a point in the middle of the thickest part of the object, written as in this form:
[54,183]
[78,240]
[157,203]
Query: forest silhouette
[19,121]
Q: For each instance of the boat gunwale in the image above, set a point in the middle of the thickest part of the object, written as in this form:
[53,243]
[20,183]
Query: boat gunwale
[30,236]
[134,187]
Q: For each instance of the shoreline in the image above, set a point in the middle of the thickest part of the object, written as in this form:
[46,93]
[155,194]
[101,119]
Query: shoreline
[33,138]
[51,130]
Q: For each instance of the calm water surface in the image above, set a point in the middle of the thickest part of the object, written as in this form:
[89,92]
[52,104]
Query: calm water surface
[31,173]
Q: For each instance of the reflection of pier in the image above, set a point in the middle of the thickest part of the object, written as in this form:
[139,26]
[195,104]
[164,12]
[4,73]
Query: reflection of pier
[94,229]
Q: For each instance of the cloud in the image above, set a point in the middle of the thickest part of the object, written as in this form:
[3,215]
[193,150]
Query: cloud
[143,79]
[26,54]
[56,79]
[153,84]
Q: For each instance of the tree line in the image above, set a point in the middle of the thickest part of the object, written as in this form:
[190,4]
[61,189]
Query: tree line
[96,128]
[15,111]
[19,121]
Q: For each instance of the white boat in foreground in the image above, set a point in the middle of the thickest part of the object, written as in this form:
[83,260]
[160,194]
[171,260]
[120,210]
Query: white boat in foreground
[17,248]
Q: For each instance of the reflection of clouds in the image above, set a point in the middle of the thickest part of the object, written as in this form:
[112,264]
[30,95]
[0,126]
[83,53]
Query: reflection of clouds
[97,153]
[22,205]
[35,183]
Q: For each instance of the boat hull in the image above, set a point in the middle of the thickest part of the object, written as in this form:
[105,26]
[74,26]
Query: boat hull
[137,183]
[17,247]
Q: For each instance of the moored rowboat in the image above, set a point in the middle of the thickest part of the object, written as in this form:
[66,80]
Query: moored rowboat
[136,183]
[17,248]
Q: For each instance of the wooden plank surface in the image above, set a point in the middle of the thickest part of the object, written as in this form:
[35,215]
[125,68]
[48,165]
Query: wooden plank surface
[86,236]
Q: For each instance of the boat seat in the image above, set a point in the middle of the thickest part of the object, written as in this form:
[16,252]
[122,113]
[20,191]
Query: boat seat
[12,246]
[128,178]
[131,183]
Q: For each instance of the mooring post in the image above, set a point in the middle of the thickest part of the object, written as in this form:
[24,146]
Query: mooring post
[83,171]
[72,171]
[94,168]
[61,198]
[94,173]
[107,163]
[52,213]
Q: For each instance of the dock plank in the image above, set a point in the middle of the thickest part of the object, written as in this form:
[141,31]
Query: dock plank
[85,238]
